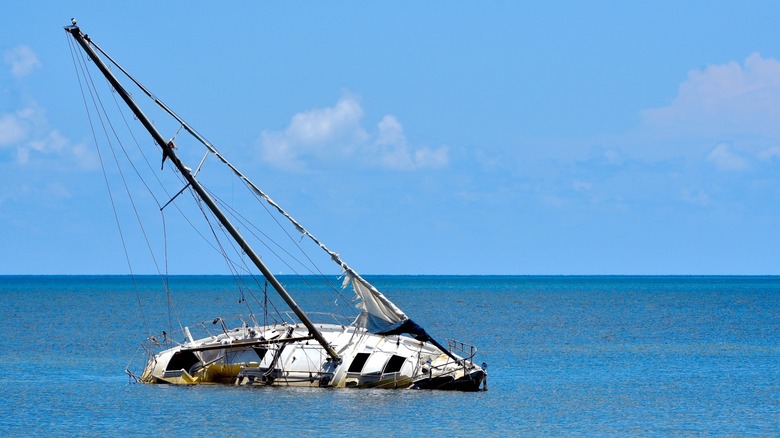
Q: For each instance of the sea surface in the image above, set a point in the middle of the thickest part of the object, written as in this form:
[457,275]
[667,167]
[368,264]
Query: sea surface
[592,355]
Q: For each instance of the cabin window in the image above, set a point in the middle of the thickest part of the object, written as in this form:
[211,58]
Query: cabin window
[261,351]
[182,360]
[394,364]
[358,363]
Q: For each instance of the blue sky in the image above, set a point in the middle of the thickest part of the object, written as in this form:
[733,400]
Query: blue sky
[437,138]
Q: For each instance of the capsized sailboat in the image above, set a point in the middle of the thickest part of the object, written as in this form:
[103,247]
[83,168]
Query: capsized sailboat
[381,347]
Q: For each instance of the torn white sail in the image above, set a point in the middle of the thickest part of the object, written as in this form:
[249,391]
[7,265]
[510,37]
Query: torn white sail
[379,315]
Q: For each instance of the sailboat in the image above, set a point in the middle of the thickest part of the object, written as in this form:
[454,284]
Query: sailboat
[380,348]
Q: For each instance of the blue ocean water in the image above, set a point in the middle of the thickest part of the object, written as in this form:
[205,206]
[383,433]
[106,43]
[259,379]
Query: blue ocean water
[566,355]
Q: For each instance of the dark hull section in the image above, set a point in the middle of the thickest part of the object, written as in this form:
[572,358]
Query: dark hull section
[468,383]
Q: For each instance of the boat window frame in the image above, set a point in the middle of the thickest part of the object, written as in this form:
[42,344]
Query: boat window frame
[356,361]
[397,363]
[182,360]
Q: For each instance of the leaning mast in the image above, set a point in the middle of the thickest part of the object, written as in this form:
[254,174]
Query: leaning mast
[168,152]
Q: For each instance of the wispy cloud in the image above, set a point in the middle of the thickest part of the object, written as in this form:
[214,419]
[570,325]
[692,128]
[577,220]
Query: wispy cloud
[13,129]
[770,153]
[27,132]
[724,158]
[52,143]
[326,135]
[581,186]
[696,197]
[391,150]
[22,60]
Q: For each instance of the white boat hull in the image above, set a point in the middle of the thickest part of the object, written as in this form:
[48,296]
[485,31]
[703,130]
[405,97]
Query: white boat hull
[284,355]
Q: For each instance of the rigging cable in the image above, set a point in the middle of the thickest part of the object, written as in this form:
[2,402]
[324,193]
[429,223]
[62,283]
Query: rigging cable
[163,187]
[230,264]
[351,273]
[312,267]
[165,279]
[105,175]
[249,226]
[97,101]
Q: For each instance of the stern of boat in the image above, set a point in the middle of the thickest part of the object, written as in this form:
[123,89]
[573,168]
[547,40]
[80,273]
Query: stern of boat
[450,374]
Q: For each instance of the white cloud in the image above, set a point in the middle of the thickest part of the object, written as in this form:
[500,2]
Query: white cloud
[319,133]
[725,159]
[325,135]
[725,98]
[22,60]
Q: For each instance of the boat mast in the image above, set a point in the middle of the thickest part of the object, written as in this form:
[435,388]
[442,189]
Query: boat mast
[168,152]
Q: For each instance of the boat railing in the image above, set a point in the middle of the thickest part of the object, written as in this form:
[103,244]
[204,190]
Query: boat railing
[467,351]
[462,349]
[324,317]
[228,326]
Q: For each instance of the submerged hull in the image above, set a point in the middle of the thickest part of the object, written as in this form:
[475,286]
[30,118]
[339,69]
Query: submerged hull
[284,355]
